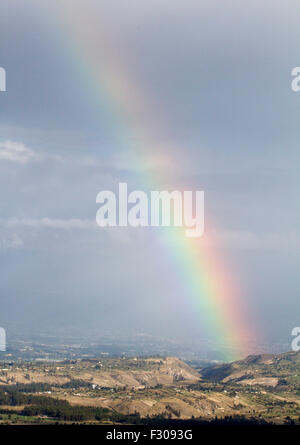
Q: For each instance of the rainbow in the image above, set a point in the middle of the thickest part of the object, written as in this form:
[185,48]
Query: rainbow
[208,284]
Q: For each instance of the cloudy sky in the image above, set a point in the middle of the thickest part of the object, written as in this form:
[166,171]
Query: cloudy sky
[213,80]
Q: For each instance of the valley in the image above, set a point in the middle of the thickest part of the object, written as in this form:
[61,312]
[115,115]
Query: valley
[264,388]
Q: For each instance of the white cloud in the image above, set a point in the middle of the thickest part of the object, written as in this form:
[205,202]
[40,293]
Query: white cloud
[74,223]
[212,238]
[122,235]
[17,152]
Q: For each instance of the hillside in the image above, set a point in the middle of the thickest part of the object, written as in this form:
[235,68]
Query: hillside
[262,370]
[104,373]
[263,387]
